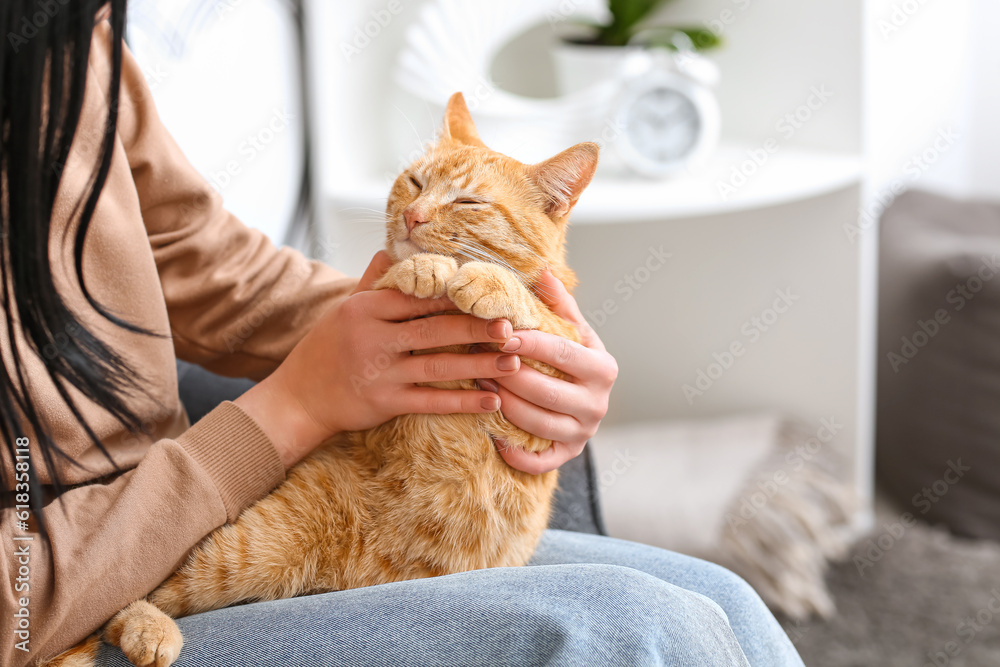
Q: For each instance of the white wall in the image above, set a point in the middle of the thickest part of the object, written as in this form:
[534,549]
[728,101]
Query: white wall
[763,62]
[775,51]
[983,95]
[225,82]
[930,71]
[934,104]
[356,94]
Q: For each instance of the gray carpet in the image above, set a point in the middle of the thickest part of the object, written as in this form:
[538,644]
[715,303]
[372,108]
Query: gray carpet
[926,598]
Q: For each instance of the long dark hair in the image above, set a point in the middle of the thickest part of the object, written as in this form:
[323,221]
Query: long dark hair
[43,68]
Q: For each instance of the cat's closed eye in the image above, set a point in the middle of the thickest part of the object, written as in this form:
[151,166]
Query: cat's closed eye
[415,182]
[470,202]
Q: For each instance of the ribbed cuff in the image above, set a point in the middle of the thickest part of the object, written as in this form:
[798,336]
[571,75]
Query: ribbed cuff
[237,455]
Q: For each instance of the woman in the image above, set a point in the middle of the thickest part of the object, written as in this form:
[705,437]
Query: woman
[117,260]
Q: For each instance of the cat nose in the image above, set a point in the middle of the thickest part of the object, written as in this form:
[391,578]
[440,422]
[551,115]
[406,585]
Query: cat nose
[414,217]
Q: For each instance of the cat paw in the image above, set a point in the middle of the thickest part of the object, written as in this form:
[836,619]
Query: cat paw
[156,643]
[490,292]
[146,635]
[424,275]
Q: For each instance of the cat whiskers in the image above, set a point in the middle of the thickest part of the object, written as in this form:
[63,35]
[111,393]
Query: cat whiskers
[362,214]
[539,289]
[362,208]
[478,252]
[486,256]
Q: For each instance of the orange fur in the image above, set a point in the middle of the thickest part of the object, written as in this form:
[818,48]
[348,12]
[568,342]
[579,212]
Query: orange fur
[83,654]
[421,495]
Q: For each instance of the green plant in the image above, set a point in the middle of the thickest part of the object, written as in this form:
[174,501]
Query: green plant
[627,17]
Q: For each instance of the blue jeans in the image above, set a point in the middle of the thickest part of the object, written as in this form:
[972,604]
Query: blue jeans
[584,600]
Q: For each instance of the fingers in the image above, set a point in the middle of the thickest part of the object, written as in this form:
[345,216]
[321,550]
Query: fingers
[393,306]
[428,400]
[444,367]
[536,463]
[590,365]
[553,394]
[432,332]
[376,268]
[555,295]
[543,423]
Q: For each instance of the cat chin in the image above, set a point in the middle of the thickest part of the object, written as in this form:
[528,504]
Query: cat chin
[404,249]
[401,250]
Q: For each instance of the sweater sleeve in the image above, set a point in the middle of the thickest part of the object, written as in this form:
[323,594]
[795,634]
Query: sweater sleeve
[237,304]
[114,541]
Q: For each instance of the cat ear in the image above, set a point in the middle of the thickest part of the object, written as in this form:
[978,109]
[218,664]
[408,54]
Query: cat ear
[564,177]
[458,125]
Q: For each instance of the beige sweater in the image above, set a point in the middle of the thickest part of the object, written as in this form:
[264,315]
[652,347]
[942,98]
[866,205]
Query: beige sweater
[163,253]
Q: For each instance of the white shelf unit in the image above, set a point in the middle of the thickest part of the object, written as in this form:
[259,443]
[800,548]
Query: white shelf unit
[789,176]
[781,232]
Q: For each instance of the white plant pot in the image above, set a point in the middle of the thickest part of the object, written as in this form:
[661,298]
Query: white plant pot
[578,66]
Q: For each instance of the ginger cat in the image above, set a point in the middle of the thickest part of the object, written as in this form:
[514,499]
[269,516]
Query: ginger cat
[421,495]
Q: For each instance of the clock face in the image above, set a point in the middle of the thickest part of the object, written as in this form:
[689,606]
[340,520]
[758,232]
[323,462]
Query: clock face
[662,125]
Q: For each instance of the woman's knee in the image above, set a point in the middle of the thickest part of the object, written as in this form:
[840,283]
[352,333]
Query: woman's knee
[618,615]
[737,598]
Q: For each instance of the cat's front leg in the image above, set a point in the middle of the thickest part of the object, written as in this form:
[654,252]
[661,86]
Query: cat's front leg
[146,635]
[424,275]
[490,291]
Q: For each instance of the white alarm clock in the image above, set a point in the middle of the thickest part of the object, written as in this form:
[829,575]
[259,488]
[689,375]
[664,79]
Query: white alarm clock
[666,116]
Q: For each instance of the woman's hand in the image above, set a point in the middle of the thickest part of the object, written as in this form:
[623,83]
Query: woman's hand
[354,370]
[568,411]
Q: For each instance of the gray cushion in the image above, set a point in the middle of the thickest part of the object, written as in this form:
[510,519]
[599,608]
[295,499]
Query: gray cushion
[938,421]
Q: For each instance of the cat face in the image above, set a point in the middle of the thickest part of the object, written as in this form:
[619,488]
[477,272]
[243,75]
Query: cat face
[466,201]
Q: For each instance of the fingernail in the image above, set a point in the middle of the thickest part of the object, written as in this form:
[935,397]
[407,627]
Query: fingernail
[488,385]
[512,345]
[490,403]
[499,329]
[508,362]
